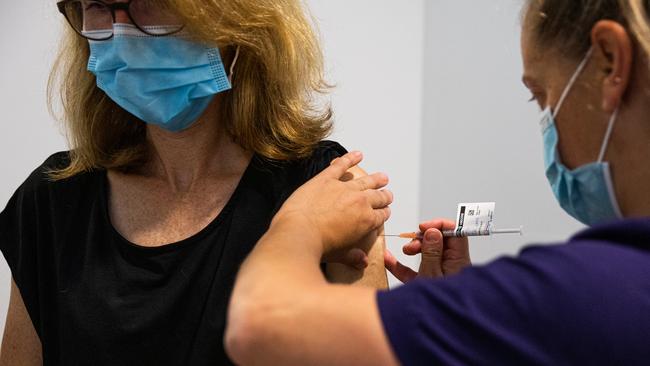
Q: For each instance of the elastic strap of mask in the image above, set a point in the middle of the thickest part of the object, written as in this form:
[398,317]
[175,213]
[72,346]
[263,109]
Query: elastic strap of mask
[572,81]
[232,65]
[608,135]
[612,193]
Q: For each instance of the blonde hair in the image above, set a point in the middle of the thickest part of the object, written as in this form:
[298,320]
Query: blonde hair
[271,109]
[566,24]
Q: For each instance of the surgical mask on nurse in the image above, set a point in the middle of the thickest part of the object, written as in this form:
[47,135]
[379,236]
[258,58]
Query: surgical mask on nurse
[586,193]
[145,62]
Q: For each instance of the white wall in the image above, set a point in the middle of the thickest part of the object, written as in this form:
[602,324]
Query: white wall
[374,52]
[480,137]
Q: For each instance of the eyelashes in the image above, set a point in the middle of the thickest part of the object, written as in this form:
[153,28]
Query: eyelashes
[536,98]
[540,98]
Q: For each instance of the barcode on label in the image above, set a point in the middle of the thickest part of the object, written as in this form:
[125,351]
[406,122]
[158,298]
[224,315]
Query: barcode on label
[474,218]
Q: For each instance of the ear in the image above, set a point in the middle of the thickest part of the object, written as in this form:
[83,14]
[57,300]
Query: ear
[612,46]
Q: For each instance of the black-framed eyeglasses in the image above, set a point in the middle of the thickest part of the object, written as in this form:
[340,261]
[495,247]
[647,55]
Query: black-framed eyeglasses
[94,19]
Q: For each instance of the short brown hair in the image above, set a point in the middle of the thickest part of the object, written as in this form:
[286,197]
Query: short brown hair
[566,25]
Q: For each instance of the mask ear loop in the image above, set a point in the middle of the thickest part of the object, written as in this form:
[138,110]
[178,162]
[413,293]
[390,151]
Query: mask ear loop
[607,174]
[608,136]
[232,65]
[572,81]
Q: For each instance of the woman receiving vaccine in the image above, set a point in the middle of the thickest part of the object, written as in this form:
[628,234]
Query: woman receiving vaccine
[190,122]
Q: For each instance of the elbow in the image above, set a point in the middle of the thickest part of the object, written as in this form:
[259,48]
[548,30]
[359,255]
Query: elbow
[238,342]
[245,334]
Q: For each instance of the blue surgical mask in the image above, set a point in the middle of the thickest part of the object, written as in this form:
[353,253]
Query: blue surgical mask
[165,81]
[586,193]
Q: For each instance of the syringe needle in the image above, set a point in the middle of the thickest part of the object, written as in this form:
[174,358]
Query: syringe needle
[405,235]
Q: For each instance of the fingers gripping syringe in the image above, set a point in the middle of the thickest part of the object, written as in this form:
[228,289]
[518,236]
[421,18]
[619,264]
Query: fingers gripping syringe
[462,233]
[472,219]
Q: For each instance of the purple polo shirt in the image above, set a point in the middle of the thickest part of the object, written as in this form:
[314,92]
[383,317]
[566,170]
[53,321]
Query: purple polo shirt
[586,302]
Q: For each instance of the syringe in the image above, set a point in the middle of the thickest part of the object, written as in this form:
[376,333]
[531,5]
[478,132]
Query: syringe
[462,233]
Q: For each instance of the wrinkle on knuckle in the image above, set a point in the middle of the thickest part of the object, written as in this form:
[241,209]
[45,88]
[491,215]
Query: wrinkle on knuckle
[431,251]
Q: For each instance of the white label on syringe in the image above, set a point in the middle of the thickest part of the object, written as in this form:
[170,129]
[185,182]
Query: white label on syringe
[474,219]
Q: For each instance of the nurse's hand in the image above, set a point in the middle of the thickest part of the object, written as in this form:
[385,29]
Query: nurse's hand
[338,212]
[440,256]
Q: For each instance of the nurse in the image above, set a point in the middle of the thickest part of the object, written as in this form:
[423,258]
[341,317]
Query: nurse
[586,301]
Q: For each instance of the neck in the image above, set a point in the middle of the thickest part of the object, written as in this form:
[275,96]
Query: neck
[628,153]
[203,151]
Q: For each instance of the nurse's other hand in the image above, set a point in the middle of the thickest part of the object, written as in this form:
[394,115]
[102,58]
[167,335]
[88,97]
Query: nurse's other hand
[339,211]
[440,256]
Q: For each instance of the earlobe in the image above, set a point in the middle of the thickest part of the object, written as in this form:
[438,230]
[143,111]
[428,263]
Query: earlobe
[613,48]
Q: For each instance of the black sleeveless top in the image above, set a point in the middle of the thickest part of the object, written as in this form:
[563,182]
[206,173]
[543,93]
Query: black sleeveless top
[96,299]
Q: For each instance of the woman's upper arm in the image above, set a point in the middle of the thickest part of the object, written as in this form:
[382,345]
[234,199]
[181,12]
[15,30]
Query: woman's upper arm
[20,343]
[372,276]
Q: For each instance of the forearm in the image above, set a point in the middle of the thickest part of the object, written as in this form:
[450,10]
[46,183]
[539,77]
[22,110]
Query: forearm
[284,312]
[275,267]
[267,285]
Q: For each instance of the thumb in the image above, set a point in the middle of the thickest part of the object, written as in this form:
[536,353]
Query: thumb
[432,247]
[356,258]
[339,166]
